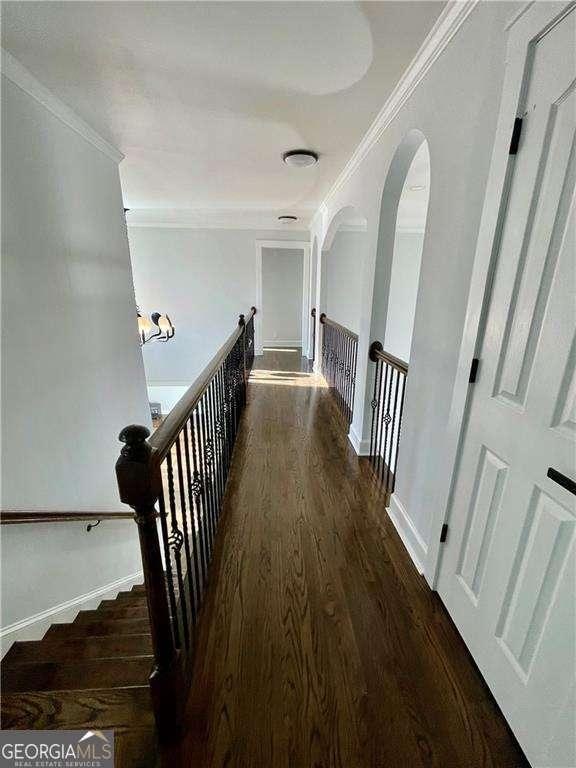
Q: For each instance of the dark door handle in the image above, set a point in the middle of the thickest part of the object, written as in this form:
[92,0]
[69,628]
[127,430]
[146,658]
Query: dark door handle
[562,480]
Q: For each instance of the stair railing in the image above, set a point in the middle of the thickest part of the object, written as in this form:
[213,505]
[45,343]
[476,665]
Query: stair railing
[339,353]
[174,480]
[387,409]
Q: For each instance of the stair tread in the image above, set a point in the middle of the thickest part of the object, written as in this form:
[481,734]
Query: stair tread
[114,612]
[136,601]
[76,675]
[99,708]
[60,649]
[100,628]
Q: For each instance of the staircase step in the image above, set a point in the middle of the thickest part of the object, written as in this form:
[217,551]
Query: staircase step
[76,676]
[116,612]
[130,596]
[138,589]
[137,601]
[100,628]
[101,709]
[119,612]
[113,647]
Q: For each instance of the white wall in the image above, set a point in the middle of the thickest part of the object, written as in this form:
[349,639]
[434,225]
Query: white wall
[455,105]
[72,372]
[344,263]
[282,275]
[203,278]
[403,292]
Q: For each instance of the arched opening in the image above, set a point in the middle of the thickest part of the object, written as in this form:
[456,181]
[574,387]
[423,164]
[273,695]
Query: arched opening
[340,303]
[401,233]
[343,254]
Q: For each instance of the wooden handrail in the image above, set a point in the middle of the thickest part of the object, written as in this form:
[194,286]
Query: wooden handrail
[16,517]
[162,440]
[342,328]
[183,468]
[377,353]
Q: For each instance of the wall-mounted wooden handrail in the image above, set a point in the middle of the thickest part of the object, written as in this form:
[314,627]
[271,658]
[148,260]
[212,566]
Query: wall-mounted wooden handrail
[342,328]
[17,517]
[167,433]
[377,353]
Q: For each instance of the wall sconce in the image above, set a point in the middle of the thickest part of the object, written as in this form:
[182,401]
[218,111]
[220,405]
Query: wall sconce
[157,327]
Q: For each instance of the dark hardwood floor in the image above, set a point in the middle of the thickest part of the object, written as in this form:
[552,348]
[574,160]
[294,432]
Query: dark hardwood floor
[321,646]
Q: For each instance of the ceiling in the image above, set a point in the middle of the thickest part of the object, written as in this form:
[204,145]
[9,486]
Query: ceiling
[203,98]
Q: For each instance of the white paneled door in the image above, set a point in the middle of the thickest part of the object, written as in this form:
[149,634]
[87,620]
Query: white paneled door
[508,568]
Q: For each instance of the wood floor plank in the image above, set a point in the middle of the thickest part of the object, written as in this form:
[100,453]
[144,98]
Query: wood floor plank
[320,645]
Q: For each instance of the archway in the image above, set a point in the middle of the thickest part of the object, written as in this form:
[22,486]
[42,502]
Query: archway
[403,215]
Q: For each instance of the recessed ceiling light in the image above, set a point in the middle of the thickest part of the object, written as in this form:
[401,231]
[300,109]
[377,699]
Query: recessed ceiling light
[417,187]
[287,218]
[300,158]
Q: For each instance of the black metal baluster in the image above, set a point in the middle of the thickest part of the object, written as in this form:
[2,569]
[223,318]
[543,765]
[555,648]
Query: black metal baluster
[207,474]
[399,427]
[168,566]
[216,447]
[201,471]
[193,519]
[389,473]
[382,400]
[387,420]
[175,541]
[375,415]
[185,531]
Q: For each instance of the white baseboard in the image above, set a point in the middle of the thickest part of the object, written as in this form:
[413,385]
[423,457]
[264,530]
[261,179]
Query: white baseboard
[362,447]
[282,343]
[34,627]
[411,539]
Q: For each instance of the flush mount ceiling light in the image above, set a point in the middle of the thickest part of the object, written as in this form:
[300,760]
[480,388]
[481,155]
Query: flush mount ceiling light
[300,158]
[287,217]
[158,327]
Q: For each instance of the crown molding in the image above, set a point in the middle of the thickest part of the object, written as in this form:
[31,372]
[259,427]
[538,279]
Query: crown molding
[250,219]
[25,80]
[446,26]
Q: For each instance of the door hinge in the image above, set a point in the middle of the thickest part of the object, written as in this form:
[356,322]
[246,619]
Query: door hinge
[516,132]
[444,533]
[473,371]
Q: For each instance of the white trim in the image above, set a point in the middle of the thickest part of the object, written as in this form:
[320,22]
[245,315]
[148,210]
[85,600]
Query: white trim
[230,225]
[282,343]
[33,627]
[362,447]
[25,80]
[411,539]
[527,28]
[446,26]
[291,245]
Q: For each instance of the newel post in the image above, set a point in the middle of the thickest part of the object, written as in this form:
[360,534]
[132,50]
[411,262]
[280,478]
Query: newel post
[139,483]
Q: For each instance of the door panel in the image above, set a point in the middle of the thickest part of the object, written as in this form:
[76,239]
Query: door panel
[508,570]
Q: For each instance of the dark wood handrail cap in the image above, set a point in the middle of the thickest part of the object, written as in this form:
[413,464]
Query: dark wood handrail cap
[313,313]
[241,320]
[253,310]
[134,433]
[375,347]
[323,317]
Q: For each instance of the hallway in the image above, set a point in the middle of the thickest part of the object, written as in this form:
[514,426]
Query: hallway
[320,644]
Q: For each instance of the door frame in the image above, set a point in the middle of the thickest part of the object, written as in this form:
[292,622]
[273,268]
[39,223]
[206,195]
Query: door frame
[526,28]
[291,245]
